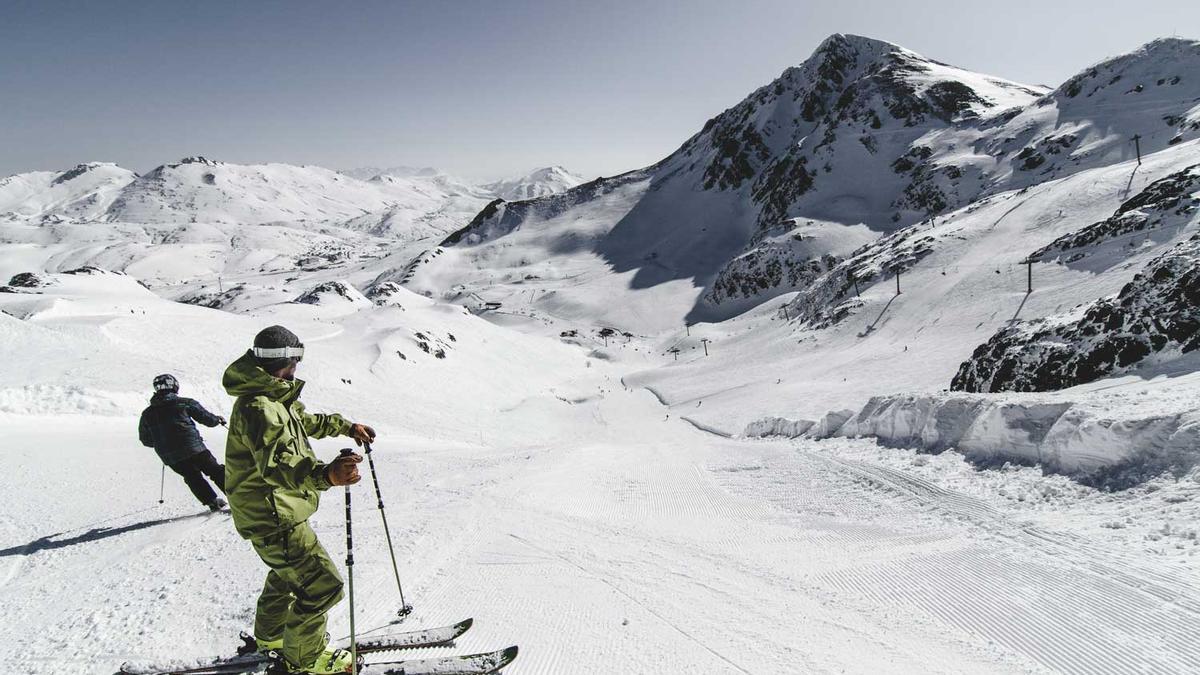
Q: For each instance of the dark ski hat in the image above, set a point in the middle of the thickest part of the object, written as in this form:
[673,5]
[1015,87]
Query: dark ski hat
[276,347]
[166,382]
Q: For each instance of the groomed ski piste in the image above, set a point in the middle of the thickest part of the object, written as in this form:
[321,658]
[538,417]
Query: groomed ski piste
[593,481]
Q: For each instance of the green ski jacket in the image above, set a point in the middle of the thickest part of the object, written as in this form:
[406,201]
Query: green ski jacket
[272,478]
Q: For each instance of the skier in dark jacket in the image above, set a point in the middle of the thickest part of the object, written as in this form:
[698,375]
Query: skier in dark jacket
[168,427]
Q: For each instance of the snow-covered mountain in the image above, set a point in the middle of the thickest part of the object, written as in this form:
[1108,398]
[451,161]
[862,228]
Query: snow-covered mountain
[369,172]
[863,134]
[424,205]
[542,182]
[199,217]
[397,202]
[197,189]
[435,203]
[84,192]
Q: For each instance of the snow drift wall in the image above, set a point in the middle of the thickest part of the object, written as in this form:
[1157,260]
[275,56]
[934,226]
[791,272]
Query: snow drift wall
[777,426]
[1064,437]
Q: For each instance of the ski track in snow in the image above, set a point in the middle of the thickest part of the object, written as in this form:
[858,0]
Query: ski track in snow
[1071,606]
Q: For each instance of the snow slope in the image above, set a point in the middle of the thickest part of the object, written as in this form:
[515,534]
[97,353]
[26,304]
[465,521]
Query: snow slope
[84,192]
[433,203]
[424,206]
[539,182]
[170,253]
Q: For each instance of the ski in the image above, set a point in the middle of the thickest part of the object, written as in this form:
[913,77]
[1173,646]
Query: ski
[248,660]
[429,637]
[236,665]
[470,664]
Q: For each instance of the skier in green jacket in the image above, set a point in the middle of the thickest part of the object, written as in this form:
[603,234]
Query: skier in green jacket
[273,481]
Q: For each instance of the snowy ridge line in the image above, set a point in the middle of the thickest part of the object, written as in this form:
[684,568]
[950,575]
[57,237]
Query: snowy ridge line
[1086,443]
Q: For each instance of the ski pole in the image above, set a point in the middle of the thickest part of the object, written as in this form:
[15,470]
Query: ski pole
[350,578]
[162,483]
[405,608]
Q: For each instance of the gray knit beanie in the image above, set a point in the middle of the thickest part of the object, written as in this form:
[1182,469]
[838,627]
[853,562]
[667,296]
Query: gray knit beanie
[274,337]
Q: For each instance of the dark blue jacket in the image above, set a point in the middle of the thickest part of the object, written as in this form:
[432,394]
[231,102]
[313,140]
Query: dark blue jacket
[167,426]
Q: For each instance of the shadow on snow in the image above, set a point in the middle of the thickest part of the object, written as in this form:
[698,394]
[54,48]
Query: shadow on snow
[50,542]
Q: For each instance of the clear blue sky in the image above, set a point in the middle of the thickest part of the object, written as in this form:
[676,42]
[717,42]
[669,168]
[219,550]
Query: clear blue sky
[481,89]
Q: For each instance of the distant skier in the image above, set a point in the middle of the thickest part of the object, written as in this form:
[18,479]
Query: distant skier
[275,481]
[167,426]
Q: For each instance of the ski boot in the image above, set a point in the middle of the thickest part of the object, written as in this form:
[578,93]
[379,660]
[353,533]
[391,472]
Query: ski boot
[217,504]
[267,646]
[253,645]
[329,662]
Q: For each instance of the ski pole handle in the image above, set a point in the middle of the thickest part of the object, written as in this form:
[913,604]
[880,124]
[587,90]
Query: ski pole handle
[349,530]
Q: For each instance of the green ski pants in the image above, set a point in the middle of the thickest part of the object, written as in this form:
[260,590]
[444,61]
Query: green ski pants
[301,587]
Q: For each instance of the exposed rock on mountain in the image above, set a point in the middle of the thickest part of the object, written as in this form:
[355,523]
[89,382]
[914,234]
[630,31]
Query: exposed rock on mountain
[1157,313]
[333,292]
[1166,204]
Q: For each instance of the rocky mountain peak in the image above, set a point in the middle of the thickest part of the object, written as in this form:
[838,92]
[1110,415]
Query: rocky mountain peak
[80,169]
[1165,62]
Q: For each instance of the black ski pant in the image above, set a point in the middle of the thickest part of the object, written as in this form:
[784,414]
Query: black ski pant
[195,468]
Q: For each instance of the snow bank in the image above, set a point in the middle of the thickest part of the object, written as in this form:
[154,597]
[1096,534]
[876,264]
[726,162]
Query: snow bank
[42,399]
[777,426]
[1089,443]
